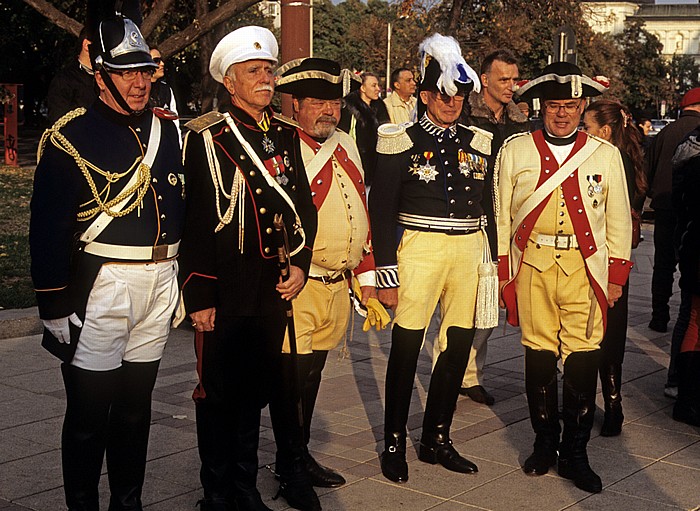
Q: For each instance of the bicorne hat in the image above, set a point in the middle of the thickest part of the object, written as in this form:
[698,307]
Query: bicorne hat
[562,80]
[442,67]
[313,77]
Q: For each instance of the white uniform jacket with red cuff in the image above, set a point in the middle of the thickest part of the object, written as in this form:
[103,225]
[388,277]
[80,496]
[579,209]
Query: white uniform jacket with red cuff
[596,200]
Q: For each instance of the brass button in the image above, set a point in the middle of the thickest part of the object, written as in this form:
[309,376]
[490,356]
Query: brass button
[263,211]
[268,230]
[267,250]
[258,191]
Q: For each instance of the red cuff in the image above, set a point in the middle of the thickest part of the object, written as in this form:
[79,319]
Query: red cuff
[619,270]
[503,268]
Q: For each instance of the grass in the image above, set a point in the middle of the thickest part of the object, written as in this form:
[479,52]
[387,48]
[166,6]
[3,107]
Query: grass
[16,289]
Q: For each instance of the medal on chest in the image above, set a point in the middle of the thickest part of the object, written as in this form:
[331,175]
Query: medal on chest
[267,143]
[276,168]
[594,184]
[425,172]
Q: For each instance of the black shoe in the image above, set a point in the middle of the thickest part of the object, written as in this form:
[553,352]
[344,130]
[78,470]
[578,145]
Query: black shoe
[612,421]
[447,456]
[210,505]
[394,466]
[581,473]
[478,394]
[322,477]
[299,494]
[539,463]
[658,325]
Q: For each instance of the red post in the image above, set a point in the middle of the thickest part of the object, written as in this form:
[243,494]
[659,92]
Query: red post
[11,110]
[296,37]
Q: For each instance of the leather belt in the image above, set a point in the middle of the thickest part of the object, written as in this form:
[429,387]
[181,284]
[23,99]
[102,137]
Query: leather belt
[331,280]
[130,253]
[442,224]
[558,241]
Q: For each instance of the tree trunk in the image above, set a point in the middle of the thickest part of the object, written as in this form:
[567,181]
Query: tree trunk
[154,17]
[55,16]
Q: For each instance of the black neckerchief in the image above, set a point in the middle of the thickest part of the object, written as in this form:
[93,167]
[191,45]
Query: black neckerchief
[560,140]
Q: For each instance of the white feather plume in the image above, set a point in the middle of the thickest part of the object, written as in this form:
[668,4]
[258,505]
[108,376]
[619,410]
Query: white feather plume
[446,51]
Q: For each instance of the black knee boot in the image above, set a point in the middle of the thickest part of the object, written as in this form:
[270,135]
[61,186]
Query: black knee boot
[435,444]
[321,477]
[287,419]
[687,407]
[244,468]
[129,425]
[580,375]
[400,373]
[89,396]
[611,381]
[215,444]
[542,400]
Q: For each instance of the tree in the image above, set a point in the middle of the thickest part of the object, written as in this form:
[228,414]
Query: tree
[644,73]
[684,74]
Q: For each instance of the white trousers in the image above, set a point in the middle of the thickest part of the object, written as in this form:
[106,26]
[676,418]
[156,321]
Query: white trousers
[128,315]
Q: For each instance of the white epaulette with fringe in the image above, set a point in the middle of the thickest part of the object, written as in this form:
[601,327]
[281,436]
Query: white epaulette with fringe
[392,139]
[481,141]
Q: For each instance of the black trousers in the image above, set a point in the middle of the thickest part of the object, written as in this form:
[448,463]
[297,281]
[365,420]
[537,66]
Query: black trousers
[237,362]
[612,348]
[665,261]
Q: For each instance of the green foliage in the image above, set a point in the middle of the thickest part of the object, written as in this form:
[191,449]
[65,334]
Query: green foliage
[643,70]
[684,75]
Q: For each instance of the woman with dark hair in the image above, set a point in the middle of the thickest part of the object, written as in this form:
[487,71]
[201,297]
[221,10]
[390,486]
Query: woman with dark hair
[613,122]
[362,114]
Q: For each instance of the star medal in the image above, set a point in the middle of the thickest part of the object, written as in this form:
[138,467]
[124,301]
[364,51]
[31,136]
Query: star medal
[267,143]
[427,172]
[463,160]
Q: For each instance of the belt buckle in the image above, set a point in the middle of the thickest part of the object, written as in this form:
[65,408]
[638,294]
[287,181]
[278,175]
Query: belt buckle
[562,241]
[160,252]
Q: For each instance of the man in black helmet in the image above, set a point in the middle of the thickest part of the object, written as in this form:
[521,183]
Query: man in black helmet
[435,187]
[107,213]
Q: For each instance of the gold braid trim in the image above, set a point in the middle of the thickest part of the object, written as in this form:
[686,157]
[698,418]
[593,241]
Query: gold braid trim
[141,186]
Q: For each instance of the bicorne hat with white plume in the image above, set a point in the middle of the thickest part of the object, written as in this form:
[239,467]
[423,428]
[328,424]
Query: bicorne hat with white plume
[442,67]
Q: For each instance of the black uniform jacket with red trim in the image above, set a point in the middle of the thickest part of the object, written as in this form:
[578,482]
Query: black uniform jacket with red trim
[215,270]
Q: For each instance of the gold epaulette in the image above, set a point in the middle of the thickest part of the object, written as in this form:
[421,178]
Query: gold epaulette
[392,139]
[287,120]
[205,121]
[481,141]
[53,130]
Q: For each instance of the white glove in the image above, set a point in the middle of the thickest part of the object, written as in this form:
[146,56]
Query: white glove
[60,328]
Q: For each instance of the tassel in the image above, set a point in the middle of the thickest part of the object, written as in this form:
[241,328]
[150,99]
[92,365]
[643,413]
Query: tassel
[486,290]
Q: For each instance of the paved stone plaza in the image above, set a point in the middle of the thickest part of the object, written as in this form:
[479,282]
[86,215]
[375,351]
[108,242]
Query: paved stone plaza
[653,465]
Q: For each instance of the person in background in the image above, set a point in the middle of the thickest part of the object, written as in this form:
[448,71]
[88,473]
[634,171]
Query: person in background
[612,122]
[491,109]
[659,176]
[401,103]
[161,94]
[362,114]
[686,198]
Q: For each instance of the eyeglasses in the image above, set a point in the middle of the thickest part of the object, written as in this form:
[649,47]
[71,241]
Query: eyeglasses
[157,60]
[569,108]
[446,98]
[320,103]
[129,75]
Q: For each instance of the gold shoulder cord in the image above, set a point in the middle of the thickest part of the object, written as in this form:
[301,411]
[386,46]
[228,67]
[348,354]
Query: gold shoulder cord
[142,184]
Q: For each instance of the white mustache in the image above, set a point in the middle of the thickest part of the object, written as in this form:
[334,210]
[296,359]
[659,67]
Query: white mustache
[264,88]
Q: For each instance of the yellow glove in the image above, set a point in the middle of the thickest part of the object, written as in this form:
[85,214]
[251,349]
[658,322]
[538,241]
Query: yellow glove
[377,316]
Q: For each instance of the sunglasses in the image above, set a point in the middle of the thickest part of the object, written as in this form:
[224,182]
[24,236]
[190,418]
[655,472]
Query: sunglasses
[157,60]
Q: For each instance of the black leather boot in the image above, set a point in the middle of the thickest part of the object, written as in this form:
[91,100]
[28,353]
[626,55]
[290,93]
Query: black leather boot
[244,469]
[542,399]
[215,444]
[611,381]
[129,425]
[400,374]
[435,444]
[687,407]
[321,477]
[89,396]
[287,424]
[580,374]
